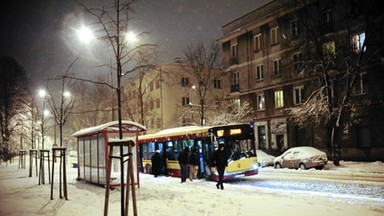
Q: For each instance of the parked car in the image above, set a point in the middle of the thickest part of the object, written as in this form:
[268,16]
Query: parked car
[264,159]
[303,157]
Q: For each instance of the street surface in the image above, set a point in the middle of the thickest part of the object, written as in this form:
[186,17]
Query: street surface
[361,184]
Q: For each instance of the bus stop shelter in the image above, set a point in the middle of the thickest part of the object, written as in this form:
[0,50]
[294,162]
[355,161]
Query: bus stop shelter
[92,151]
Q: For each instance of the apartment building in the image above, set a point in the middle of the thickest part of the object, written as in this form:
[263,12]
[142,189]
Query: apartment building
[267,54]
[168,96]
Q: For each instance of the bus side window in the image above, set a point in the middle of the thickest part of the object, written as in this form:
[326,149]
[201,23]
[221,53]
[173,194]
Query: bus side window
[178,146]
[145,151]
[151,149]
[170,153]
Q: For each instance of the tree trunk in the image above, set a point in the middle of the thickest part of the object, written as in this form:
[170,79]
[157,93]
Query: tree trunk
[335,145]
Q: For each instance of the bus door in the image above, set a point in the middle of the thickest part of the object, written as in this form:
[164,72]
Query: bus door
[202,160]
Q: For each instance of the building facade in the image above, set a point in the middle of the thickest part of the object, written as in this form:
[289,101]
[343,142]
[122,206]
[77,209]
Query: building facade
[167,96]
[268,56]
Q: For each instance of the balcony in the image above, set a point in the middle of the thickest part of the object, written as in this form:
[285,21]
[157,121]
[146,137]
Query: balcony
[235,88]
[326,28]
[234,60]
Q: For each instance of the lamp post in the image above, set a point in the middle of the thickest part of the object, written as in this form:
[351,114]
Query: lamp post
[118,43]
[42,93]
[64,96]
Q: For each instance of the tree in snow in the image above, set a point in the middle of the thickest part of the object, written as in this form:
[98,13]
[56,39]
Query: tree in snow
[230,112]
[14,96]
[203,63]
[139,105]
[336,54]
[61,101]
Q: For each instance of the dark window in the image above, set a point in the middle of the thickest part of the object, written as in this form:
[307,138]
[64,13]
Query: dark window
[217,84]
[185,101]
[184,81]
[277,67]
[297,61]
[295,28]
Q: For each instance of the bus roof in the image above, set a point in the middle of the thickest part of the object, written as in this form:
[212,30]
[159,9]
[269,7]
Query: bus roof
[179,132]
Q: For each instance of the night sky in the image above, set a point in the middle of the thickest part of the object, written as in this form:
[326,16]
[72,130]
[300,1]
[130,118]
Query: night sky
[39,33]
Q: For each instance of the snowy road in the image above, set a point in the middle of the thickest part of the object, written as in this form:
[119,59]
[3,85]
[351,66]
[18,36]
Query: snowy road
[353,189]
[349,184]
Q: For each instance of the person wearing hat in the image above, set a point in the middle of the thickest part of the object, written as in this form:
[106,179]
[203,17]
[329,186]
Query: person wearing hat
[220,162]
[157,163]
[183,162]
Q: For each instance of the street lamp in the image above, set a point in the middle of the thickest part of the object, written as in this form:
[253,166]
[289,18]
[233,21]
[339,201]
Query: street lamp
[118,42]
[131,37]
[85,34]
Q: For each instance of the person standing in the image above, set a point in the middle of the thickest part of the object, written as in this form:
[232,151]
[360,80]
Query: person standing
[220,162]
[157,163]
[183,162]
[192,163]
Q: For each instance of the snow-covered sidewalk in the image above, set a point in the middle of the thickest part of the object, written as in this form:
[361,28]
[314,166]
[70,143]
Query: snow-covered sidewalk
[21,195]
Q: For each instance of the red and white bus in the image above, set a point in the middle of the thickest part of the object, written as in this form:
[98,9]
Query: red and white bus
[238,139]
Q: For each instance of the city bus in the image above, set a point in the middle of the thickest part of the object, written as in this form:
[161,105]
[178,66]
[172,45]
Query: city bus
[239,144]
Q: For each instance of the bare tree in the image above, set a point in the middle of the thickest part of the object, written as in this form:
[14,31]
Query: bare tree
[147,74]
[204,65]
[335,62]
[93,103]
[113,26]
[230,113]
[61,102]
[13,100]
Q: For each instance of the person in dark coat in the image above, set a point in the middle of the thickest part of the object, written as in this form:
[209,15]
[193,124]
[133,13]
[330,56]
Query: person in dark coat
[183,162]
[157,163]
[193,161]
[220,162]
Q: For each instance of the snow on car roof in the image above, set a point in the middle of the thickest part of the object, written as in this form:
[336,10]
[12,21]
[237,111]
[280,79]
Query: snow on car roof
[308,149]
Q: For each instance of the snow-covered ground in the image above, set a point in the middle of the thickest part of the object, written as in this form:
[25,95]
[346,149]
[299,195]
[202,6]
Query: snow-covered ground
[21,195]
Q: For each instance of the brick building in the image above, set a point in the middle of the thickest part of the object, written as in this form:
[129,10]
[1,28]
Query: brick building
[270,54]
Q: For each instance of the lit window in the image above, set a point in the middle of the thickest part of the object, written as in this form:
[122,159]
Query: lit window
[298,95]
[235,78]
[357,42]
[277,66]
[279,99]
[234,50]
[257,42]
[260,102]
[274,35]
[237,102]
[329,49]
[259,72]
